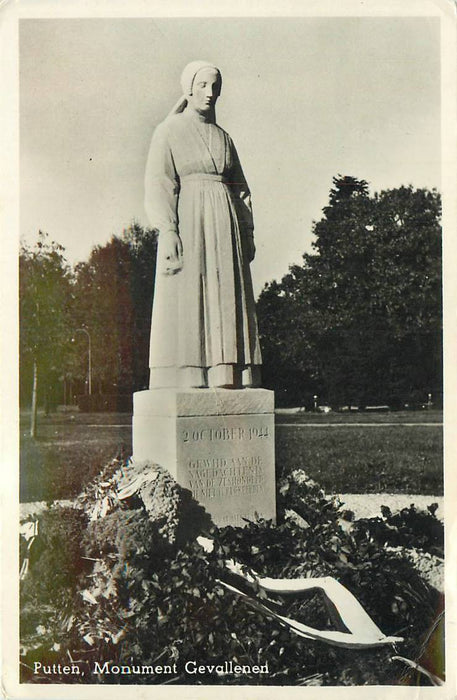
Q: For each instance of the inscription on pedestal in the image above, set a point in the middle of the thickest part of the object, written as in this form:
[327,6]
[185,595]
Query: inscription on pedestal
[228,465]
[213,478]
[217,443]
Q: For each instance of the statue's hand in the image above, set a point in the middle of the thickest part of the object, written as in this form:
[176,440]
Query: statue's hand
[250,248]
[170,253]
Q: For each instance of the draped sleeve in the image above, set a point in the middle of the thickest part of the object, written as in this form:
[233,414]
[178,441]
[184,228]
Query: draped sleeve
[242,193]
[161,183]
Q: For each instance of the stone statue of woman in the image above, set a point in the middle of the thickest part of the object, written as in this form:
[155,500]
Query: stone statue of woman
[204,329]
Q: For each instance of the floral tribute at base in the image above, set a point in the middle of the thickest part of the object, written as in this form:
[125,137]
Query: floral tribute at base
[119,589]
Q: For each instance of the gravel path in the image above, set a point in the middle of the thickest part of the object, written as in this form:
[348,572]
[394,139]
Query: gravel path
[368,505]
[364,505]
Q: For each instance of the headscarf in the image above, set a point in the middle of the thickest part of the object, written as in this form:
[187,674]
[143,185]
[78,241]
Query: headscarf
[187,81]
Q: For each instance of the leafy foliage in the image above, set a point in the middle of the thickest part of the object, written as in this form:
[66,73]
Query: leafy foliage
[114,292]
[409,527]
[360,320]
[151,598]
[175,514]
[109,296]
[49,597]
[46,298]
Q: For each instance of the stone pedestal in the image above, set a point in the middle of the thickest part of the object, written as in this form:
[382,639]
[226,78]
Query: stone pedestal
[219,443]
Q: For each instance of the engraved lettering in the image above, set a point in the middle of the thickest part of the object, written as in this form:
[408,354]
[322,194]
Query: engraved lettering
[261,432]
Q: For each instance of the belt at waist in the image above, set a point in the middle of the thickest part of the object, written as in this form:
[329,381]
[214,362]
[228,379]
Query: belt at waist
[195,177]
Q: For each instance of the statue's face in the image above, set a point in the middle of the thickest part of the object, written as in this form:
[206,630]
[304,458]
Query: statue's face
[206,89]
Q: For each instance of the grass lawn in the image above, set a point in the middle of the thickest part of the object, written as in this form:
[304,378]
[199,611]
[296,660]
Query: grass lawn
[385,459]
[72,447]
[69,452]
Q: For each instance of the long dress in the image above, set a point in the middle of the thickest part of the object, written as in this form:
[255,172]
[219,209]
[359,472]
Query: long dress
[203,329]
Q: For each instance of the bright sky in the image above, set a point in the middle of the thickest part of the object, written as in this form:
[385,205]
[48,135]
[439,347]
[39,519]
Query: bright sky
[303,98]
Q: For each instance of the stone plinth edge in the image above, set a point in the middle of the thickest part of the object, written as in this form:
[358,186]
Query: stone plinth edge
[202,402]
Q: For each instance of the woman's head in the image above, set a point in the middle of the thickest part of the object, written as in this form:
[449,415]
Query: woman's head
[201,83]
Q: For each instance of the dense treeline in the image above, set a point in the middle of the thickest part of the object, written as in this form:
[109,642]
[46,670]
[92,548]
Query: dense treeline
[45,303]
[358,322]
[106,301]
[114,291]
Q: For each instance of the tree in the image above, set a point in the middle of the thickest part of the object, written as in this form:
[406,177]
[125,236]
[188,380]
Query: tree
[366,304]
[114,291]
[287,331]
[45,293]
[407,278]
[143,256]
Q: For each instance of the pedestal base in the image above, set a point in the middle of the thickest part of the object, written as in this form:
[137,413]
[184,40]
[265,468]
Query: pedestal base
[219,443]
